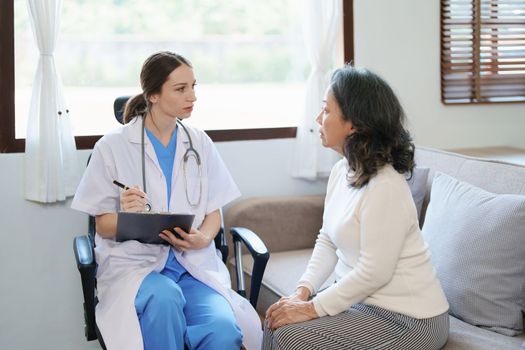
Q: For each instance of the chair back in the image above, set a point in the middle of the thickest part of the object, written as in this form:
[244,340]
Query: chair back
[118,108]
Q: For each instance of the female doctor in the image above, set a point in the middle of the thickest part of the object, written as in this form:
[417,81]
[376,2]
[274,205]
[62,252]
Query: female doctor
[163,296]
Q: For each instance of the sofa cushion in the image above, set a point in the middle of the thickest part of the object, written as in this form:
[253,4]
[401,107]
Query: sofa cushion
[464,336]
[281,275]
[283,222]
[477,242]
[284,270]
[418,186]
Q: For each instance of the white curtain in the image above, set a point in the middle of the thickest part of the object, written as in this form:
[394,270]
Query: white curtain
[321,19]
[52,169]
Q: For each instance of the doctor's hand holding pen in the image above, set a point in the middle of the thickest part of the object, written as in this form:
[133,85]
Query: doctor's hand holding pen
[196,238]
[132,199]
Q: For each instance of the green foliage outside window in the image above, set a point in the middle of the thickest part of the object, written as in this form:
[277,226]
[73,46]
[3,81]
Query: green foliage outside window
[104,42]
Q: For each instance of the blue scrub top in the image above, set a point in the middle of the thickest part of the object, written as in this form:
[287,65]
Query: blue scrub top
[166,157]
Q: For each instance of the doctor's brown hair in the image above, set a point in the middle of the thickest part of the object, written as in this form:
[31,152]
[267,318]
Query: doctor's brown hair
[154,73]
[380,138]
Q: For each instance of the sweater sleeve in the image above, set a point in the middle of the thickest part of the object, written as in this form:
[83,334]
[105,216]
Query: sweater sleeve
[324,258]
[321,264]
[383,227]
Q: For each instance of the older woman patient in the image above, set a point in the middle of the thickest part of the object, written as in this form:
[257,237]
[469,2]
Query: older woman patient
[386,294]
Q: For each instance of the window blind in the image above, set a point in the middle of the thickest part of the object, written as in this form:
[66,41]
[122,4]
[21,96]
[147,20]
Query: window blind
[482,51]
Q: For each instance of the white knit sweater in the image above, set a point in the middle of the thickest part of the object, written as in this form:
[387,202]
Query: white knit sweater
[371,237]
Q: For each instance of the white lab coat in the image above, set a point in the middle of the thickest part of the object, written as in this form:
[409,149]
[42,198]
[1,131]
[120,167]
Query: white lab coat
[123,266]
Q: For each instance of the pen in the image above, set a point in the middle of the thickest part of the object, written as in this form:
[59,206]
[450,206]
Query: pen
[121,185]
[147,206]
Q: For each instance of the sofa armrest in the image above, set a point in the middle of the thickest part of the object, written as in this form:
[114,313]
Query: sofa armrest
[282,223]
[260,256]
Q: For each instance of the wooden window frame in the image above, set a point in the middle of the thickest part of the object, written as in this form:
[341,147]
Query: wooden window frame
[477,78]
[10,144]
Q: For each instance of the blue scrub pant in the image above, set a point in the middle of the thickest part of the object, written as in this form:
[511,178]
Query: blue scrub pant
[174,308]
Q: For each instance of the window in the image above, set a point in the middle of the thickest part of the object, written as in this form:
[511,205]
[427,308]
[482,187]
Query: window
[482,51]
[242,58]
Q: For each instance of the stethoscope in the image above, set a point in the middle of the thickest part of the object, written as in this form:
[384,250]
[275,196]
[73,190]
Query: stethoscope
[191,152]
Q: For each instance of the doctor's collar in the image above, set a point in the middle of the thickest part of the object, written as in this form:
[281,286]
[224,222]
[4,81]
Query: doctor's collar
[133,131]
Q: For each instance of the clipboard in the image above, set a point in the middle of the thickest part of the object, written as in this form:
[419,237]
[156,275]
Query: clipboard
[145,227]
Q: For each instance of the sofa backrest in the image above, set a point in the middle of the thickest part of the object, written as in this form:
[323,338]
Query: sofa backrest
[491,175]
[283,223]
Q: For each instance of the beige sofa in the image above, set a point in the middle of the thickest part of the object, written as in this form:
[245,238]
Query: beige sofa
[289,226]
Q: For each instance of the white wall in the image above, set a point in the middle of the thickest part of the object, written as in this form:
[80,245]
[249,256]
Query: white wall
[40,288]
[41,296]
[40,303]
[399,40]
